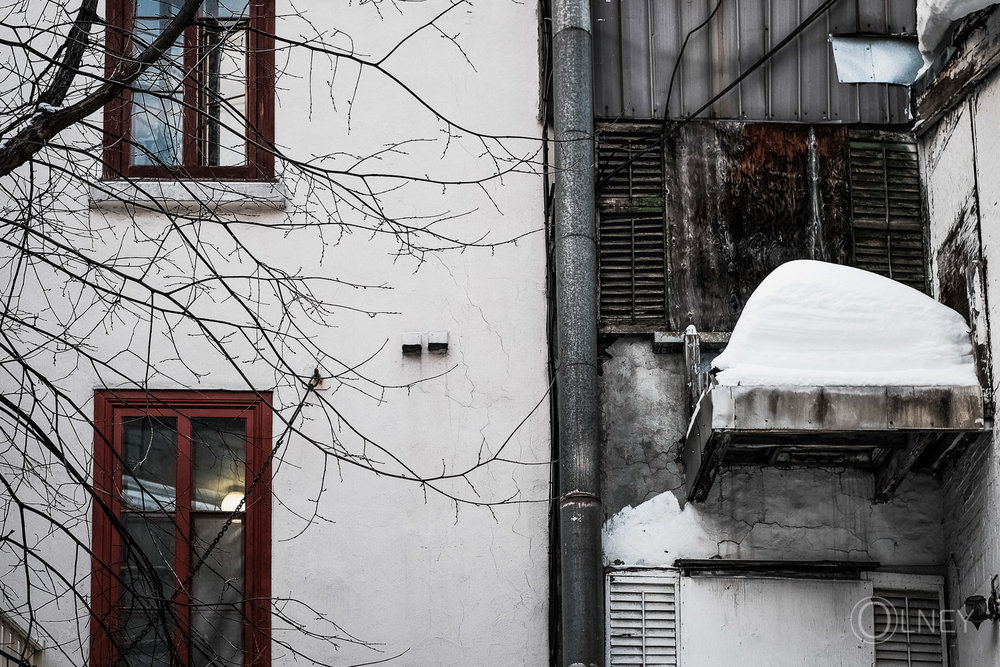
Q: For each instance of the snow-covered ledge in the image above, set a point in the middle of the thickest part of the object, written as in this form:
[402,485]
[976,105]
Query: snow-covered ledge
[188,195]
[935,17]
[833,365]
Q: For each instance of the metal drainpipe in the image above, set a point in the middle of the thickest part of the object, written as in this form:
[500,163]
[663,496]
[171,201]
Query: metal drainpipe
[582,608]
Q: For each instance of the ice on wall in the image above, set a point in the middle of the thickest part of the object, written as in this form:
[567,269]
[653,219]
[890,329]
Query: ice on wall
[935,16]
[813,323]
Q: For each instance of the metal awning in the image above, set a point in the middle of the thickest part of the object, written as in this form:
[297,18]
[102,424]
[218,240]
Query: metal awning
[887,429]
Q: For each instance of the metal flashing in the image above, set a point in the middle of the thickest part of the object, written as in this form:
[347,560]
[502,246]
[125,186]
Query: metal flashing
[876,58]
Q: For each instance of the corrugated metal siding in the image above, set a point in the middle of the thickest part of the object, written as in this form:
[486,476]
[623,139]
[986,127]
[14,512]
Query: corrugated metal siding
[907,629]
[886,209]
[642,619]
[636,46]
[631,236]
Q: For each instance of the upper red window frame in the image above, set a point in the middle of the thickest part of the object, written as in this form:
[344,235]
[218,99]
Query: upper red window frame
[110,407]
[259,106]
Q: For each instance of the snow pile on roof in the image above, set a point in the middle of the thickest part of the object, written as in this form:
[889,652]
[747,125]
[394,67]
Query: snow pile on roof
[812,323]
[934,17]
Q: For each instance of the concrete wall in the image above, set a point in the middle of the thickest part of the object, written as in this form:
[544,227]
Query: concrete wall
[752,512]
[961,157]
[391,562]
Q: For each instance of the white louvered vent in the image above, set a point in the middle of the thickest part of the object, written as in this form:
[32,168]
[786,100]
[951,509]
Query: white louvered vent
[908,629]
[16,649]
[642,618]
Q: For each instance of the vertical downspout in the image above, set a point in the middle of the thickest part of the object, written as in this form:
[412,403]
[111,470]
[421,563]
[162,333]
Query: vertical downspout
[582,632]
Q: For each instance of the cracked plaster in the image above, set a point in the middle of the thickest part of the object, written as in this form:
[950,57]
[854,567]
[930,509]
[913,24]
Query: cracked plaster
[752,513]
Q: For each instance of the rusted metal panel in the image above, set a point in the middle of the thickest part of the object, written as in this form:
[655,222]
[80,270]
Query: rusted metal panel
[723,204]
[796,85]
[697,247]
[739,206]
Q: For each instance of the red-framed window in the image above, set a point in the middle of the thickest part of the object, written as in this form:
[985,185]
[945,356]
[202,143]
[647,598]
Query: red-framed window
[206,109]
[182,529]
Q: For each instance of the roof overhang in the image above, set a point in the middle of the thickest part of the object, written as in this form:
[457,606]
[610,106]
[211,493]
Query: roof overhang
[883,428]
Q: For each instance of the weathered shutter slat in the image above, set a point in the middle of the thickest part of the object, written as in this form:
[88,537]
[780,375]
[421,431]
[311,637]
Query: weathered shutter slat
[887,209]
[631,236]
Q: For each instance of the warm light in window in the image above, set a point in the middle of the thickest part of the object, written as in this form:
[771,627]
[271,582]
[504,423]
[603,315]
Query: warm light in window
[232,501]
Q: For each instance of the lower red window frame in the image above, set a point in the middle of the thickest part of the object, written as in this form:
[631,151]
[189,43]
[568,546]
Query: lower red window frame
[109,409]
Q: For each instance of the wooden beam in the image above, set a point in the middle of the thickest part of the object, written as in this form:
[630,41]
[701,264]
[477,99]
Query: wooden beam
[977,56]
[892,472]
[702,479]
[791,569]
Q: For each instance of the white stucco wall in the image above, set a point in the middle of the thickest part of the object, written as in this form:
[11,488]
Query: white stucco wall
[961,156]
[389,561]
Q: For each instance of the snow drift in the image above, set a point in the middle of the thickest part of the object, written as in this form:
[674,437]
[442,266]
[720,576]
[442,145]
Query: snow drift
[813,323]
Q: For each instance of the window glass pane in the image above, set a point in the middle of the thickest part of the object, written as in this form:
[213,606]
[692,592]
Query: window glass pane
[222,126]
[150,451]
[218,470]
[147,584]
[226,8]
[157,7]
[157,112]
[156,130]
[217,593]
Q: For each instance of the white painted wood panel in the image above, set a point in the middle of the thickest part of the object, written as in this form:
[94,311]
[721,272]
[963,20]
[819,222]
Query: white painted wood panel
[772,623]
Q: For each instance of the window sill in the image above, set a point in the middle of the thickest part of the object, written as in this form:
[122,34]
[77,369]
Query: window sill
[188,195]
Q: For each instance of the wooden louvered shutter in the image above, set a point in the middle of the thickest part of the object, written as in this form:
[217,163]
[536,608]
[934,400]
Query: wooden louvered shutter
[886,209]
[907,629]
[642,619]
[631,238]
